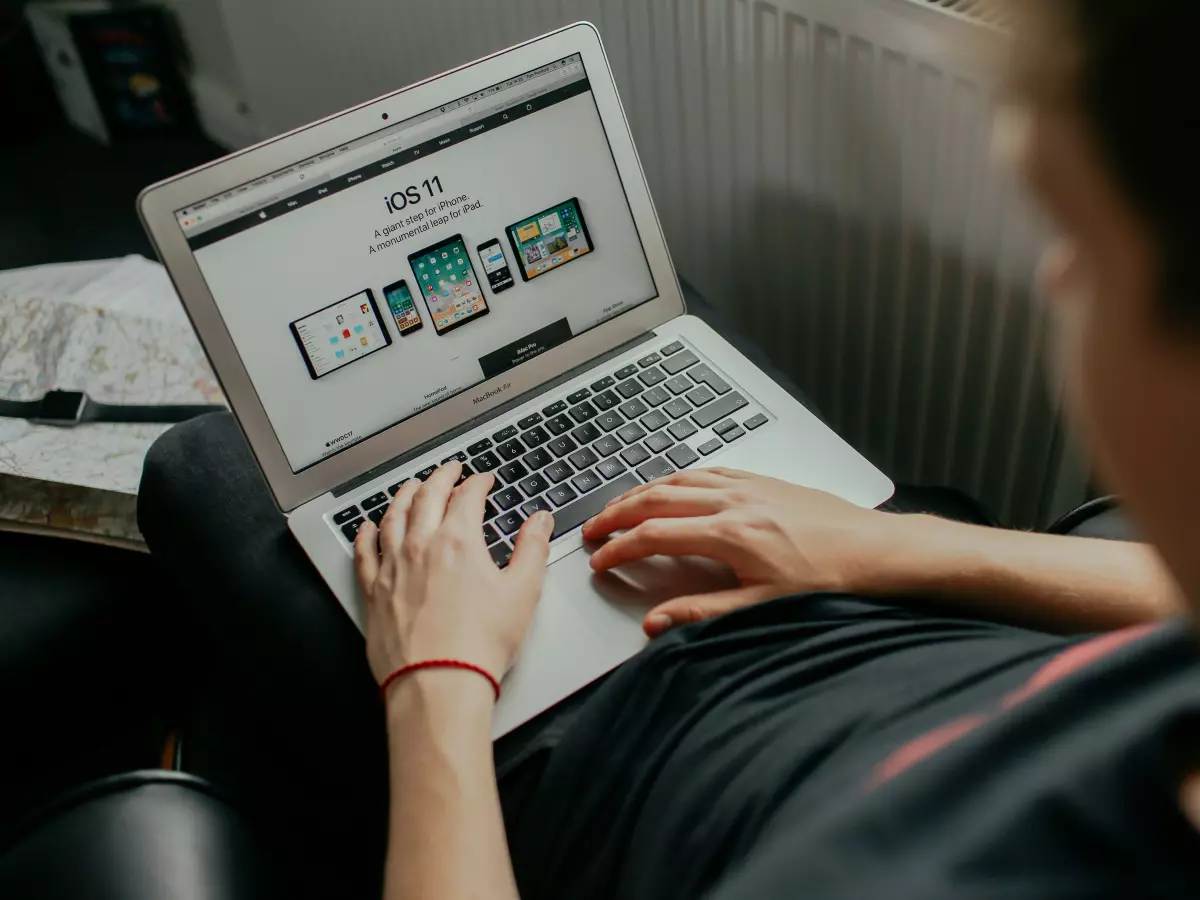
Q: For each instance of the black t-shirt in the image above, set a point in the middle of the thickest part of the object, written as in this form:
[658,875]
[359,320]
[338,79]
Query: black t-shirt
[826,747]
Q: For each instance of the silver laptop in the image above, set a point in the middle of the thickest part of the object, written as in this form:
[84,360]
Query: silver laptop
[472,267]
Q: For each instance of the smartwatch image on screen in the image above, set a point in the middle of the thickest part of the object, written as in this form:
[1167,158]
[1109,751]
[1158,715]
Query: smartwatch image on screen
[550,239]
[400,302]
[448,282]
[495,266]
[339,334]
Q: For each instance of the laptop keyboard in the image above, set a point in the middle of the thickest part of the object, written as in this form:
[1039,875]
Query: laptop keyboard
[653,416]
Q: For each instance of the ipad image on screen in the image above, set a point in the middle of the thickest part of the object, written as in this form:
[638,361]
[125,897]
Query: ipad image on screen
[449,284]
[495,266]
[340,334]
[550,239]
[400,302]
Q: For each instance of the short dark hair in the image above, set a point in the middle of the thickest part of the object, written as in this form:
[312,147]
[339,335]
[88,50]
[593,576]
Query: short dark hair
[1138,62]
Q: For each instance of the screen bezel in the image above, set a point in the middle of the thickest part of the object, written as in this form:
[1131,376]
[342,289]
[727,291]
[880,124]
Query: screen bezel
[433,248]
[312,370]
[402,282]
[157,205]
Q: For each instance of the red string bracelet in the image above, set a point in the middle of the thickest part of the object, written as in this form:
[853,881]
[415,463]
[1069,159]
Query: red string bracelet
[438,664]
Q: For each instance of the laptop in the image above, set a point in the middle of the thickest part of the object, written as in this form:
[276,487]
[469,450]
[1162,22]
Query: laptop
[472,268]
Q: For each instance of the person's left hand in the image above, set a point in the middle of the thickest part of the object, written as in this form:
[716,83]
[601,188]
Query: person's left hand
[431,588]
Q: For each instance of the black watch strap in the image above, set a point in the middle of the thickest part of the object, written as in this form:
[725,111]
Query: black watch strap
[94,411]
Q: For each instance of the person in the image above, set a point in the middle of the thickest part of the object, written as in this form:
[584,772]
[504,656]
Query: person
[885,706]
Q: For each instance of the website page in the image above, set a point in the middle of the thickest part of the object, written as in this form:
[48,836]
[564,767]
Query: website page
[381,278]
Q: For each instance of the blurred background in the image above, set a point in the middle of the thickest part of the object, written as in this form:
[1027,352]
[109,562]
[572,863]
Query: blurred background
[821,168]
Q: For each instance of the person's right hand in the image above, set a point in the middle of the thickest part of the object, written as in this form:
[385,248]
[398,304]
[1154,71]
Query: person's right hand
[779,538]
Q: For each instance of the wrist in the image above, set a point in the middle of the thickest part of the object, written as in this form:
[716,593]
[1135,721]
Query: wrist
[915,552]
[439,698]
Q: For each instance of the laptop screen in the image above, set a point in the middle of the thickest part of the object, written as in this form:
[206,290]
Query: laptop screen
[381,277]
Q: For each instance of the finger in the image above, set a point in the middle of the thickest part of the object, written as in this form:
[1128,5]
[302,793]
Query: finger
[699,478]
[532,549]
[666,537]
[697,608]
[465,511]
[366,557]
[661,501]
[429,505]
[395,520]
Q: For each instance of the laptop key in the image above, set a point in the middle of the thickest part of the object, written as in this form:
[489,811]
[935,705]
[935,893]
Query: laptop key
[571,517]
[507,498]
[659,441]
[489,534]
[350,529]
[514,471]
[426,472]
[583,458]
[466,473]
[631,433]
[652,376]
[682,456]
[630,388]
[374,500]
[537,459]
[656,468]
[647,361]
[504,434]
[719,409]
[579,395]
[509,522]
[341,518]
[671,348]
[755,421]
[604,383]
[710,447]
[611,468]
[511,449]
[485,462]
[680,384]
[635,455]
[535,436]
[562,446]
[376,515]
[626,372]
[702,374]
[501,553]
[587,481]
[682,429]
[633,409]
[395,487]
[559,471]
[559,424]
[605,400]
[677,408]
[677,364]
[606,446]
[656,396]
[733,434]
[460,456]
[534,485]
[536,504]
[560,495]
[583,412]
[554,408]
[478,447]
[585,433]
[489,510]
[610,421]
[724,425]
[700,396]
[654,420]
[529,421]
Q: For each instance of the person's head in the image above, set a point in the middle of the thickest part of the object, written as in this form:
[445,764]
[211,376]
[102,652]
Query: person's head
[1109,142]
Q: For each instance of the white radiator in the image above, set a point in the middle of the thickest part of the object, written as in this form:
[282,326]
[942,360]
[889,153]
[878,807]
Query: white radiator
[823,173]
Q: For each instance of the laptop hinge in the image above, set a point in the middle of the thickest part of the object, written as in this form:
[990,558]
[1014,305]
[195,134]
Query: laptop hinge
[503,409]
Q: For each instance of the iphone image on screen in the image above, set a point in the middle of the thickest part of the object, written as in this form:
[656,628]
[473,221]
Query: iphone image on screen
[549,239]
[340,333]
[448,282]
[400,301]
[495,266]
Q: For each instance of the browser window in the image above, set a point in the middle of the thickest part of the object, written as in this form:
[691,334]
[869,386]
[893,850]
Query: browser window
[412,219]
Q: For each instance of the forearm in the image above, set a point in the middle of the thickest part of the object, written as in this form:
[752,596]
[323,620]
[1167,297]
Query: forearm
[1048,581]
[446,833]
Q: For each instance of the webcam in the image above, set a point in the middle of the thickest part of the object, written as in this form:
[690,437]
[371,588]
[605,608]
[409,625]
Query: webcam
[385,115]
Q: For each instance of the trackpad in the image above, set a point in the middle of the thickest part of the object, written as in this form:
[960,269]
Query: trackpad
[587,624]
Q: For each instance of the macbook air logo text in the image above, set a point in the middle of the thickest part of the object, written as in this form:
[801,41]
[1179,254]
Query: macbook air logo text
[492,393]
